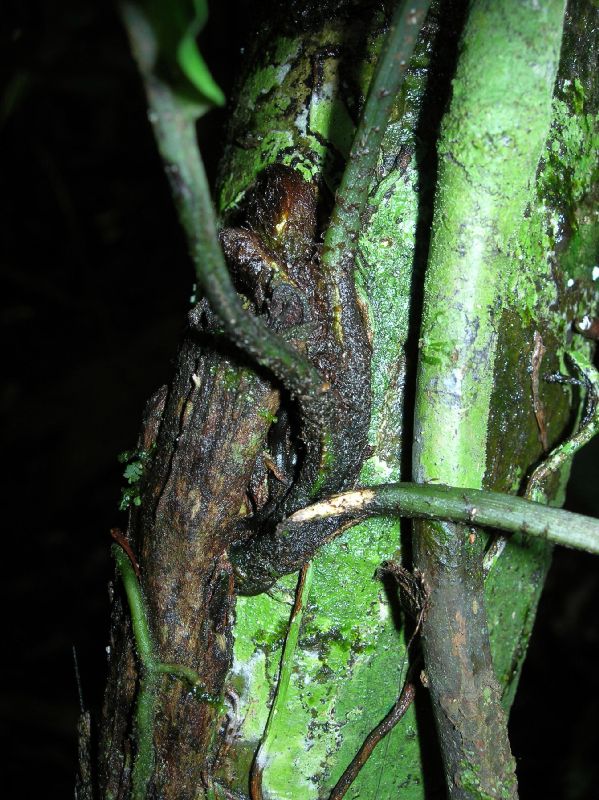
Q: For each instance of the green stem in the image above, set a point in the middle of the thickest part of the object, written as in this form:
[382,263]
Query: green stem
[492,138]
[298,537]
[145,712]
[151,669]
[137,608]
[173,120]
[470,506]
[341,240]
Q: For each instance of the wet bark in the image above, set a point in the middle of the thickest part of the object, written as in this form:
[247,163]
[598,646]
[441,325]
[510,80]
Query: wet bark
[206,441]
[209,483]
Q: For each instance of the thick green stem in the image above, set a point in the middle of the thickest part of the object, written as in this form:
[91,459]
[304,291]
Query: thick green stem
[491,141]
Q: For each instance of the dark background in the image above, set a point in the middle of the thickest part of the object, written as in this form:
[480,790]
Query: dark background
[95,285]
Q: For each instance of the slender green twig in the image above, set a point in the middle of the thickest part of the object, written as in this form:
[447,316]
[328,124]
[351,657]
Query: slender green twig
[145,713]
[137,608]
[342,235]
[298,537]
[173,120]
[141,628]
[341,238]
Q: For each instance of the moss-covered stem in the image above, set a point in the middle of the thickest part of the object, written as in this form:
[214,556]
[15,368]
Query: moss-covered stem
[490,144]
[151,671]
[341,240]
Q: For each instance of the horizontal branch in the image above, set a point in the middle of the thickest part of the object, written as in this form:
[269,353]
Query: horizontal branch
[471,506]
[260,562]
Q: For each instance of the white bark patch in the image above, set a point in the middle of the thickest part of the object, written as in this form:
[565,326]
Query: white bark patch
[338,504]
[196,502]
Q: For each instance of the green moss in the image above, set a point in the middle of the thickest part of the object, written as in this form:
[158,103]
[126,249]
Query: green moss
[571,163]
[384,279]
[232,378]
[348,668]
[267,415]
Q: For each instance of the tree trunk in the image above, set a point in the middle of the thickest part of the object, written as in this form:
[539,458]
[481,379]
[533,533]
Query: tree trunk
[218,457]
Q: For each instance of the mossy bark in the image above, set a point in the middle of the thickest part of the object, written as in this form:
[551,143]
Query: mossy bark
[335,675]
[297,104]
[489,149]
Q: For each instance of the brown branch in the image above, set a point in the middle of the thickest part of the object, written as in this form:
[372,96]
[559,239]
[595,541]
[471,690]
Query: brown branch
[384,727]
[537,358]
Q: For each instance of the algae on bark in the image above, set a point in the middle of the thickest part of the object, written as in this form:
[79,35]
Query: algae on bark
[298,104]
[348,666]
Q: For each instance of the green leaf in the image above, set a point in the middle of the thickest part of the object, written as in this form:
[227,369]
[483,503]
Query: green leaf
[133,471]
[176,24]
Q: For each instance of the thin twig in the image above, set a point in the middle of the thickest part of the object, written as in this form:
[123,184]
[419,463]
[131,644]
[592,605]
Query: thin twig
[417,607]
[302,593]
[384,727]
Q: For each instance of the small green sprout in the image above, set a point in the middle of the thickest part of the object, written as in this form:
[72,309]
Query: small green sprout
[136,462]
[267,415]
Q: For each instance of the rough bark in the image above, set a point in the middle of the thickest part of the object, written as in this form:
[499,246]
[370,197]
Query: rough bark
[217,421]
